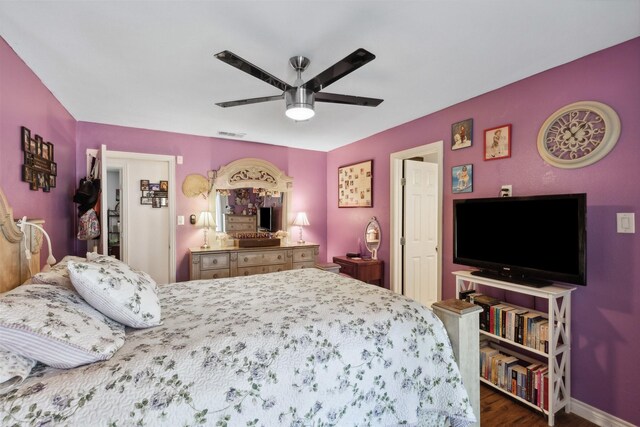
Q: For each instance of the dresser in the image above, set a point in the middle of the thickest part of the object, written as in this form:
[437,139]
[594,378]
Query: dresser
[367,270]
[234,261]
[240,223]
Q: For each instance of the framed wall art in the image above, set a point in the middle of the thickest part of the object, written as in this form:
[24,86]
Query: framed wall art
[497,143]
[462,179]
[462,134]
[38,169]
[355,185]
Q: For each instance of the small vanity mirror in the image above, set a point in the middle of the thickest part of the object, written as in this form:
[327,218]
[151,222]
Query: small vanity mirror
[372,237]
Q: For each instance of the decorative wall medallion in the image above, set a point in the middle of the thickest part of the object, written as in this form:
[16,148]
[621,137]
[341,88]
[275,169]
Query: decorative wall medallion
[578,134]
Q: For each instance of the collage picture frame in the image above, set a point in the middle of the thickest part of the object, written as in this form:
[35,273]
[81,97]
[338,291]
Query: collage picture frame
[39,168]
[154,194]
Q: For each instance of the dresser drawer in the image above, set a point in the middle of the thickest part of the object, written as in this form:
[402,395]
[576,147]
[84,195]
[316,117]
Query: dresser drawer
[241,219]
[304,254]
[236,227]
[212,261]
[214,274]
[248,271]
[348,269]
[246,259]
[307,264]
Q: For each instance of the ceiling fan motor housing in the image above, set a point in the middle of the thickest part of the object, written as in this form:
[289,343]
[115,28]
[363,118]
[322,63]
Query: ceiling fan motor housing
[299,97]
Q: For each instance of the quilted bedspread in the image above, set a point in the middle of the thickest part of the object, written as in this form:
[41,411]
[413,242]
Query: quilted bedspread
[297,348]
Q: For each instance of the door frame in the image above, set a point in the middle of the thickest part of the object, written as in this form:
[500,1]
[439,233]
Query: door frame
[171,161]
[396,210]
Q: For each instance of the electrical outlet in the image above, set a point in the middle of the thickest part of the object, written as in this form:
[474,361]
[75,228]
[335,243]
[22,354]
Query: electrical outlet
[506,191]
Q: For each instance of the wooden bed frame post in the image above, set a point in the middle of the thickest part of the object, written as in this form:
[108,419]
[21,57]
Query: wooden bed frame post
[463,333]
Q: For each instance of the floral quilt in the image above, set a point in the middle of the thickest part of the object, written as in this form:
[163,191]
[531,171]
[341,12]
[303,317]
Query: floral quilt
[297,348]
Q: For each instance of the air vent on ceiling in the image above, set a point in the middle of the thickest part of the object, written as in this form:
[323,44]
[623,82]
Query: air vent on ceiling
[231,134]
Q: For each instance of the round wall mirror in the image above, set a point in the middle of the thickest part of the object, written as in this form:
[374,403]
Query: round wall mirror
[372,237]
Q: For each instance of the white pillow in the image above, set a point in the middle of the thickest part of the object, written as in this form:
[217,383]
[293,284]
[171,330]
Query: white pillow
[58,274]
[13,369]
[116,290]
[55,326]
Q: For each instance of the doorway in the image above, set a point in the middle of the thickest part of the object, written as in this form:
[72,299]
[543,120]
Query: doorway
[416,268]
[146,231]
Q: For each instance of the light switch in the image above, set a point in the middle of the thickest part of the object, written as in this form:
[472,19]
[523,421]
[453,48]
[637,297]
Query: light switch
[626,222]
[180,219]
[179,161]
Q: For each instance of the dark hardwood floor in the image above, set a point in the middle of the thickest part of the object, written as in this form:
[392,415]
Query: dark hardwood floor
[496,409]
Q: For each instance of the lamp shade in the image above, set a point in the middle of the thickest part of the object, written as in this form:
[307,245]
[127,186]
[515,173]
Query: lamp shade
[301,219]
[205,220]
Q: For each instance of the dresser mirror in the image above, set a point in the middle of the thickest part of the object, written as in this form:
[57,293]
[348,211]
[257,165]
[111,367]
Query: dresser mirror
[372,237]
[253,188]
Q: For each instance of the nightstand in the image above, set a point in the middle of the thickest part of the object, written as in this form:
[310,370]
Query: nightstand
[367,270]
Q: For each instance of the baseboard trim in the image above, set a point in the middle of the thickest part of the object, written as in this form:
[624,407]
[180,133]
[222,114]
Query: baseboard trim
[597,416]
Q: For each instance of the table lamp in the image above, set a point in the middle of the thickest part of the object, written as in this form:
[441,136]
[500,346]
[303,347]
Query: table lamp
[301,221]
[205,221]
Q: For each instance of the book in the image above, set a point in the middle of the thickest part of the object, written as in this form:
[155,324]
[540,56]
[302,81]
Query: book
[456,306]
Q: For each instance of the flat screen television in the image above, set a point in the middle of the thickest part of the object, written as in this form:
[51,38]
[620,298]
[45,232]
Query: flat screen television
[531,240]
[265,219]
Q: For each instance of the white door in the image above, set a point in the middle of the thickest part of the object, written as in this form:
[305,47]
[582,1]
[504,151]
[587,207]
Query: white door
[147,233]
[420,263]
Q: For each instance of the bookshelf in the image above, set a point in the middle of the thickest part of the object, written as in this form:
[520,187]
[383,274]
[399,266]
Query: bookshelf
[557,356]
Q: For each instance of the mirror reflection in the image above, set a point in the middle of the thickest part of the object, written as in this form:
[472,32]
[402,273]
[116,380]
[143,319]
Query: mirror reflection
[249,210]
[372,237]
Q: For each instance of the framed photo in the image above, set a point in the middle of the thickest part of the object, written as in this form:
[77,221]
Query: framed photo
[164,185]
[52,181]
[41,179]
[33,185]
[462,179]
[156,202]
[54,168]
[50,144]
[33,147]
[164,202]
[26,139]
[144,185]
[355,185]
[462,134]
[27,174]
[38,151]
[497,142]
[154,186]
[44,151]
[145,200]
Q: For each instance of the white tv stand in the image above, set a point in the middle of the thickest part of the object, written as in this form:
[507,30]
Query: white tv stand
[558,359]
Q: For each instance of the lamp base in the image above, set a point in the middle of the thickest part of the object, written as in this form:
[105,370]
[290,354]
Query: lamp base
[301,241]
[205,247]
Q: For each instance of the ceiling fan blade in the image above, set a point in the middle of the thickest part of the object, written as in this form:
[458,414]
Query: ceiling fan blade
[249,101]
[347,99]
[243,65]
[340,69]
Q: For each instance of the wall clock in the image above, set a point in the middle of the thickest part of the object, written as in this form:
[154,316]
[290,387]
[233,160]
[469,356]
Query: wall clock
[578,134]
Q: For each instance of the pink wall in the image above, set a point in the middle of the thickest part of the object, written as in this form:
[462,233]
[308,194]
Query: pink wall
[606,313]
[25,101]
[201,154]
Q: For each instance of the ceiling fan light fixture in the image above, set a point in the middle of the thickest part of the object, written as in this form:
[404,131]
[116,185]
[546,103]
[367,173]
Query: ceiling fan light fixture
[299,103]
[300,112]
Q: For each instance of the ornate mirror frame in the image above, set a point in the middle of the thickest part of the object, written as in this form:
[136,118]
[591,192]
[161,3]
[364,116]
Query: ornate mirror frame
[254,173]
[373,237]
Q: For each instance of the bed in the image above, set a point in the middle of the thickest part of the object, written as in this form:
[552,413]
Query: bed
[300,347]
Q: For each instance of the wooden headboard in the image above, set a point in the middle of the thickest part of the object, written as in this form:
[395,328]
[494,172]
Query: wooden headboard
[15,268]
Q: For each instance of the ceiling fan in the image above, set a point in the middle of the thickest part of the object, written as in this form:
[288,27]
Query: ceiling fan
[300,97]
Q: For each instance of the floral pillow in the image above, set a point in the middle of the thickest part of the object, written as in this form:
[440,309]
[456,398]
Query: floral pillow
[13,369]
[58,274]
[118,291]
[55,326]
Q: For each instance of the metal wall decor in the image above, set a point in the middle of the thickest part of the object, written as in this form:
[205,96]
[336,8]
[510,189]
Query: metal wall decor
[38,169]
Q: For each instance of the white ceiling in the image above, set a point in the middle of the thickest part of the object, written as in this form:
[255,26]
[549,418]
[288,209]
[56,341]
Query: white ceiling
[150,64]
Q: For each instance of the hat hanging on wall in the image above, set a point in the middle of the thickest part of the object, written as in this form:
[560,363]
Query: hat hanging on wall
[195,185]
[87,194]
